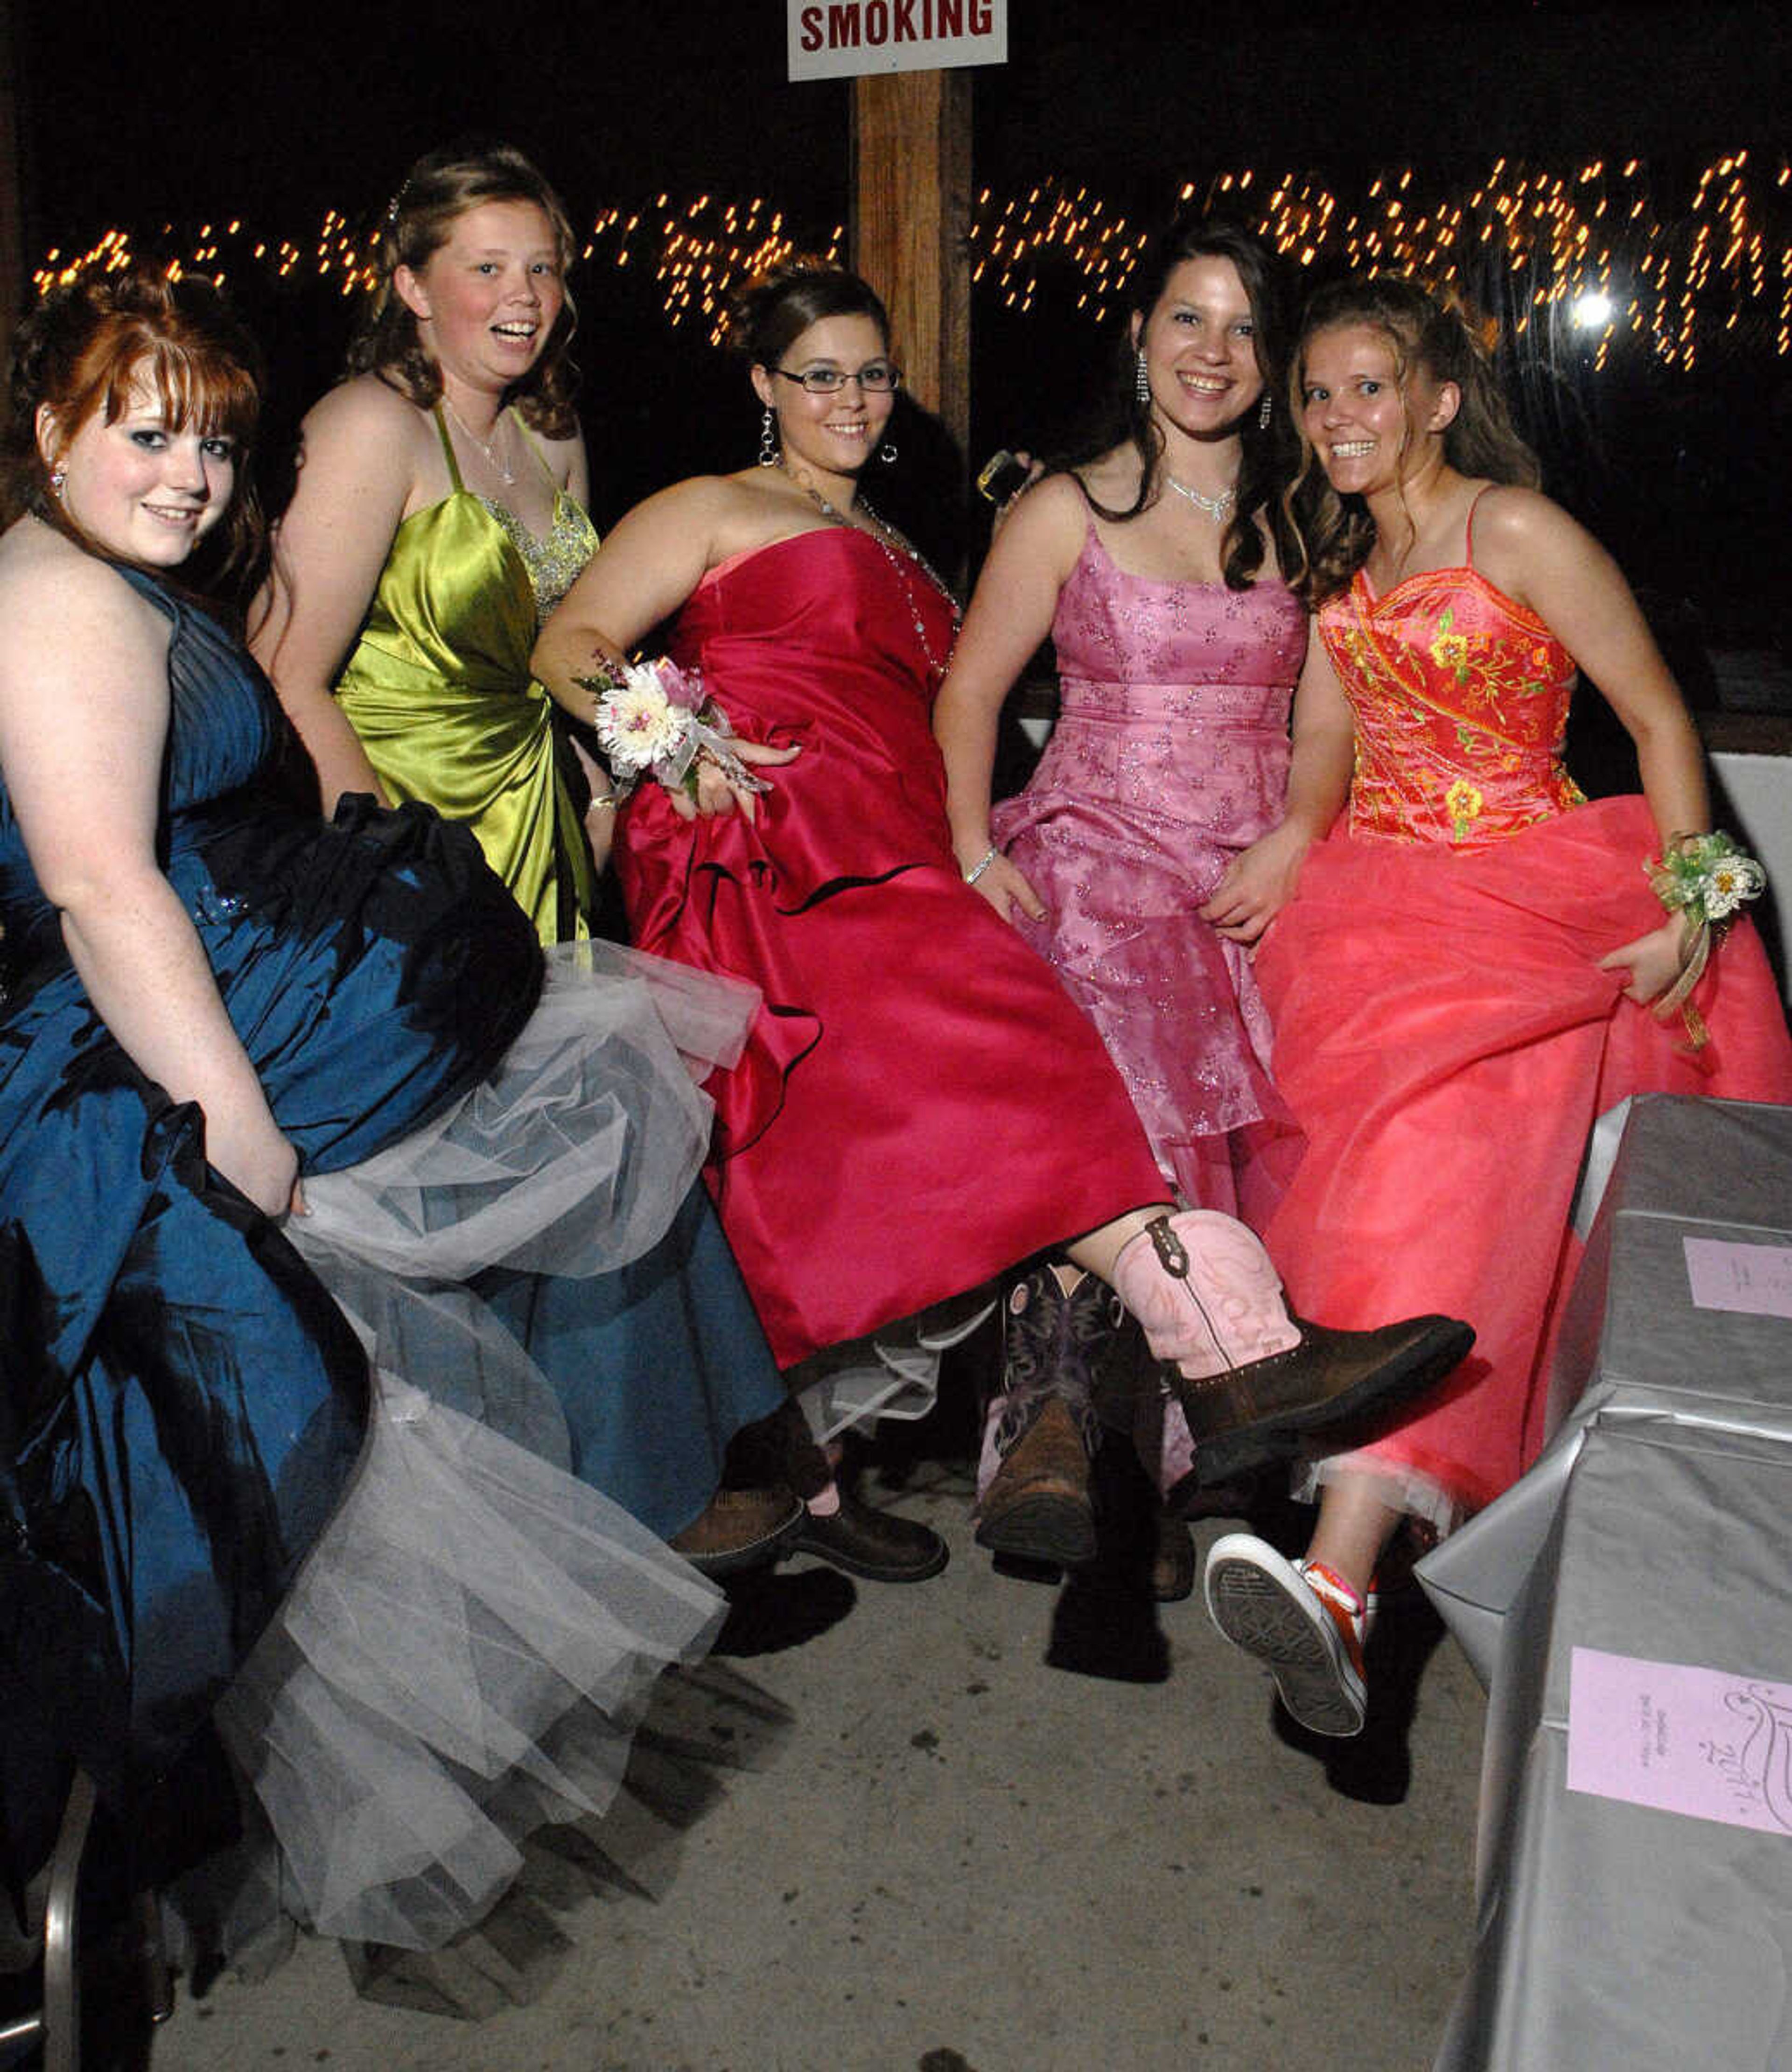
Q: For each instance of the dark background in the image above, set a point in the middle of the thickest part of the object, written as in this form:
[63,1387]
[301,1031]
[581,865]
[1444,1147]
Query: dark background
[272,115]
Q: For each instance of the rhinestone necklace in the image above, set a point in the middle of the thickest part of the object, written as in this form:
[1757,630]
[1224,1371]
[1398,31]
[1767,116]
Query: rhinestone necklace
[902,558]
[1215,507]
[507,476]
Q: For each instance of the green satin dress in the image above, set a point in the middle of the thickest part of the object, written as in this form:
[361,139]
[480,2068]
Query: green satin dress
[439,690]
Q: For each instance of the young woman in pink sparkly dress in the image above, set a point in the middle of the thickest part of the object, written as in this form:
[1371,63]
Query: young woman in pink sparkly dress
[1165,824]
[920,1106]
[1464,981]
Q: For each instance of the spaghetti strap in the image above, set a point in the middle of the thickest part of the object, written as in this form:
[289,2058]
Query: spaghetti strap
[448,450]
[1468,542]
[529,440]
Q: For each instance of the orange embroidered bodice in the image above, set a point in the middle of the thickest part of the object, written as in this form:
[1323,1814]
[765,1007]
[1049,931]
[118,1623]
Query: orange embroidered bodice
[1461,698]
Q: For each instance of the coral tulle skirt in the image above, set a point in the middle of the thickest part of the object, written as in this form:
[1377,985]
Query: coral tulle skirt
[1446,1039]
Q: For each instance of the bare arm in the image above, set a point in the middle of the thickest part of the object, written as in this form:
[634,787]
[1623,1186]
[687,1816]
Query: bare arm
[1029,561]
[1539,555]
[1260,880]
[356,475]
[84,715]
[653,559]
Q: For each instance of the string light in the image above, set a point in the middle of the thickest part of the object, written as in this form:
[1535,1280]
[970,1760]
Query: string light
[1591,245]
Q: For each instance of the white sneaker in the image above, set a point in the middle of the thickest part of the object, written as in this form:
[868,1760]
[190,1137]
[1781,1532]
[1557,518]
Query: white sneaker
[1300,1619]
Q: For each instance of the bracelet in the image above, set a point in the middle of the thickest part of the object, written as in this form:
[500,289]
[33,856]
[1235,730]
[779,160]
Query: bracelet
[1705,879]
[980,866]
[603,802]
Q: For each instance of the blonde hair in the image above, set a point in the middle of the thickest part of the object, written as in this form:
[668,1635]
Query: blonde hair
[1422,330]
[440,189]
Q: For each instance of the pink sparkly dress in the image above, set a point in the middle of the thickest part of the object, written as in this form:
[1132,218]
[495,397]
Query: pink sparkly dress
[1443,1032]
[1169,756]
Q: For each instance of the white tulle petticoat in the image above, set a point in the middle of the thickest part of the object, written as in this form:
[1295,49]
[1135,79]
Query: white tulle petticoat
[465,1655]
[469,1649]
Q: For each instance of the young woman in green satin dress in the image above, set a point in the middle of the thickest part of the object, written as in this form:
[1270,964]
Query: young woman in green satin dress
[438,518]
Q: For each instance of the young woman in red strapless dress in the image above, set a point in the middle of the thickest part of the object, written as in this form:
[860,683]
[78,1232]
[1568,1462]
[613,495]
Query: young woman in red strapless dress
[921,1105]
[1463,979]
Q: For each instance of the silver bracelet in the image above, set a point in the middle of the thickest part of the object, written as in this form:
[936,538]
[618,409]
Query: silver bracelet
[980,866]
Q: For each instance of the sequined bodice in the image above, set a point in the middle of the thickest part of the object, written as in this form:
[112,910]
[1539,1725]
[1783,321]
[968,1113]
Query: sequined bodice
[1461,698]
[554,562]
[439,687]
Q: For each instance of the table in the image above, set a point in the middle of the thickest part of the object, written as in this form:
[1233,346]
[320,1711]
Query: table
[1656,1526]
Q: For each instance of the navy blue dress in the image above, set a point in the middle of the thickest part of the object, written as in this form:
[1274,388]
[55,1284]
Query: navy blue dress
[181,1402]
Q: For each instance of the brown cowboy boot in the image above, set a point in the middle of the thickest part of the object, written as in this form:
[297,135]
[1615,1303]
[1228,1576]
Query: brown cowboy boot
[1036,1504]
[1250,1379]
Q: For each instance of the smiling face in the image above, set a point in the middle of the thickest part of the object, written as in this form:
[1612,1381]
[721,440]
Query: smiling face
[486,299]
[1200,347]
[1372,426]
[834,434]
[141,488]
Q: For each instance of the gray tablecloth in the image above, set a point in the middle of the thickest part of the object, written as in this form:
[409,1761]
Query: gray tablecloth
[1633,1343]
[1658,1526]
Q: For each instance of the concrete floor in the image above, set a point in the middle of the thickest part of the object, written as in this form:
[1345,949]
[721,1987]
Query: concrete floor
[961,1860]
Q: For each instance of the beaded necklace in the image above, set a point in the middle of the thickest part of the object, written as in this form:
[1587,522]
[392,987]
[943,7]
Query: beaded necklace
[902,557]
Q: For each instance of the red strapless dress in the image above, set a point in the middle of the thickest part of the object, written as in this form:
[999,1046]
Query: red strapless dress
[1443,1034]
[921,1104]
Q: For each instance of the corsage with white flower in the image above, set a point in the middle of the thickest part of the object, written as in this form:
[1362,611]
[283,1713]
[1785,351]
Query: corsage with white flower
[653,718]
[1705,879]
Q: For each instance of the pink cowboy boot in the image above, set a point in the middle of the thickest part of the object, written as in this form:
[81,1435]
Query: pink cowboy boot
[1249,1378]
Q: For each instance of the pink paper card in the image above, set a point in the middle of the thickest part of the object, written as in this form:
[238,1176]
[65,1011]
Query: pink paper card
[1699,1741]
[1755,1279]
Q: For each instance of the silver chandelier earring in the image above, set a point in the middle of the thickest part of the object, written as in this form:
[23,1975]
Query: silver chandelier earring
[1266,409]
[58,475]
[886,452]
[1141,378]
[768,439]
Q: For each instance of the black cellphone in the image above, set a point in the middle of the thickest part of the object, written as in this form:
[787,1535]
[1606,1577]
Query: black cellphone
[1002,476]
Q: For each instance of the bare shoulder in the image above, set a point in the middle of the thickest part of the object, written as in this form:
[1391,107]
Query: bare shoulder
[692,505]
[1529,546]
[63,608]
[1059,499]
[1520,521]
[364,413]
[40,570]
[725,514]
[365,400]
[1047,524]
[565,454]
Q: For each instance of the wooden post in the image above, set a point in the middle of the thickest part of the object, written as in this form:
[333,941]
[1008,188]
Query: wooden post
[911,216]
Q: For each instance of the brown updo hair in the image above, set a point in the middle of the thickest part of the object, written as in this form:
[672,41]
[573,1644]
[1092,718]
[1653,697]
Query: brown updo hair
[1424,330]
[775,310]
[438,190]
[84,349]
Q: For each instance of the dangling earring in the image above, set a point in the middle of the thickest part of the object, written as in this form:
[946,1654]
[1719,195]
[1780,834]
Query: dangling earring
[768,439]
[1141,380]
[59,475]
[886,452]
[1265,411]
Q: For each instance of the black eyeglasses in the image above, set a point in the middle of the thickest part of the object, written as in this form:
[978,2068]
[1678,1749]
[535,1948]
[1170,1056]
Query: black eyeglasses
[876,377]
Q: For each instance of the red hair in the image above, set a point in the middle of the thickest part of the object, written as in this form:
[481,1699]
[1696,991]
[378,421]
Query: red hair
[91,344]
